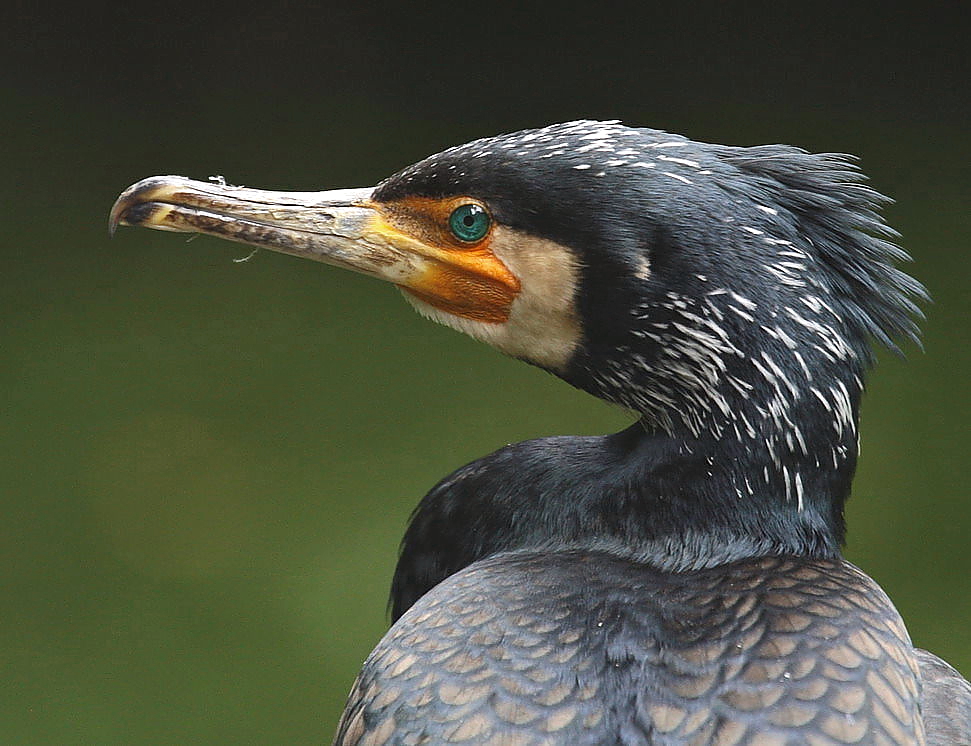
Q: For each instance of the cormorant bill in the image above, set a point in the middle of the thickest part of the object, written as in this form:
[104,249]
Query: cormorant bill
[679,582]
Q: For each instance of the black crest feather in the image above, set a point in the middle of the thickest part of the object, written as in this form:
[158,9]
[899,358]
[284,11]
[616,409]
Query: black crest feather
[841,216]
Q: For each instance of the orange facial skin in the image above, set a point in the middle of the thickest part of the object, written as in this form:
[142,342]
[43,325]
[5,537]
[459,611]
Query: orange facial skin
[464,279]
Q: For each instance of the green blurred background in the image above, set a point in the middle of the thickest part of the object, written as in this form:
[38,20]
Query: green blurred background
[206,466]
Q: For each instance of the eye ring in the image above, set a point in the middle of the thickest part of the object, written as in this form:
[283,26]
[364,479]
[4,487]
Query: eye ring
[469,223]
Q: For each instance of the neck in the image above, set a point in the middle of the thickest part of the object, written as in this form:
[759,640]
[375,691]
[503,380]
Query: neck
[676,501]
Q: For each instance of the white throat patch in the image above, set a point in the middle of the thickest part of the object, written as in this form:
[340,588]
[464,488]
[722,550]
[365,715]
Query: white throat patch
[543,327]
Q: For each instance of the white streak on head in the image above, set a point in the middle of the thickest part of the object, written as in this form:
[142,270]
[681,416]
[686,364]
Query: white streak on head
[678,177]
[681,161]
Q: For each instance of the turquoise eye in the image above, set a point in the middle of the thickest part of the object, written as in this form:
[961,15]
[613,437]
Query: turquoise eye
[469,222]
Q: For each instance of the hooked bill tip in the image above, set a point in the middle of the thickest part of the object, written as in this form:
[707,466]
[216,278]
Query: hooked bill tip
[134,205]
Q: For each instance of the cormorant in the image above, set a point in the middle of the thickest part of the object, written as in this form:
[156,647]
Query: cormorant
[679,582]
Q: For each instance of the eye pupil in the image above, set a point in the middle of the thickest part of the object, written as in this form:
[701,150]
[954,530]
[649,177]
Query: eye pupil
[469,223]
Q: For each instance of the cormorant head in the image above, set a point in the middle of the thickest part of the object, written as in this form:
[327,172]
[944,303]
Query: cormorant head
[725,294]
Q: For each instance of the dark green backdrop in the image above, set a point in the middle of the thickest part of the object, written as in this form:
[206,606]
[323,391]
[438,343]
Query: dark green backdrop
[205,466]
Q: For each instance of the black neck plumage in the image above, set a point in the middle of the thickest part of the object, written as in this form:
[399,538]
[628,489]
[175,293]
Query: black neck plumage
[677,503]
